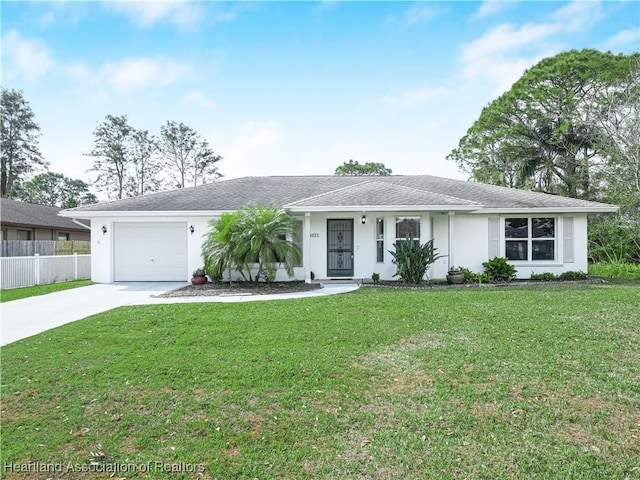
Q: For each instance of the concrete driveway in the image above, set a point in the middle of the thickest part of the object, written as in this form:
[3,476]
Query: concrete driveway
[29,316]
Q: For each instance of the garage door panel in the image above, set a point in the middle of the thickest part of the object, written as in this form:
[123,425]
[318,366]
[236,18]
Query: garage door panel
[150,251]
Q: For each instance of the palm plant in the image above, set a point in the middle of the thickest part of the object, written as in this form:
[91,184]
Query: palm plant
[221,251]
[252,235]
[268,233]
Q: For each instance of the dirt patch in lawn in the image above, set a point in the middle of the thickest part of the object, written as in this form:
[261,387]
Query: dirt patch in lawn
[215,289]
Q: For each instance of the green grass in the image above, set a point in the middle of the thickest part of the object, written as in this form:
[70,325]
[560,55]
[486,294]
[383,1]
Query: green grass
[18,293]
[622,271]
[537,382]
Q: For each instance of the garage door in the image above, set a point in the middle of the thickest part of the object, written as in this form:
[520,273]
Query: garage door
[150,252]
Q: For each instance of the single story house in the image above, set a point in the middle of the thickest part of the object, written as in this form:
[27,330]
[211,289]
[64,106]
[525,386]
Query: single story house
[29,221]
[347,226]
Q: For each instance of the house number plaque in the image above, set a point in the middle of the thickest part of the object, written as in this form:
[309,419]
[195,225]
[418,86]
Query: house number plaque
[314,235]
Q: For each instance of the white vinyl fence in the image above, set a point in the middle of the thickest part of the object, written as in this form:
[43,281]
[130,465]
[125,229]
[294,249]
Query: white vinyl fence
[18,272]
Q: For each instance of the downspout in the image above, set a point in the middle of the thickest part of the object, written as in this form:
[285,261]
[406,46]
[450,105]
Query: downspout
[451,224]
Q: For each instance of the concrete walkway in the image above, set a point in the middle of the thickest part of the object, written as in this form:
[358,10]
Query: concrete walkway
[29,316]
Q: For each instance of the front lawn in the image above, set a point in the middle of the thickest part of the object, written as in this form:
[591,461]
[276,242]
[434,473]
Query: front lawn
[18,293]
[533,382]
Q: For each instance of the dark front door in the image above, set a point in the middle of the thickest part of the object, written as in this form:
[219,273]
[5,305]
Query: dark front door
[340,248]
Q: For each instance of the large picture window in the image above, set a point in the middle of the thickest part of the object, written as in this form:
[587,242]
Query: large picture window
[530,238]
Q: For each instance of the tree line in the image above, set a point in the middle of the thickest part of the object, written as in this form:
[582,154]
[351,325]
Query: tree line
[569,126]
[126,161]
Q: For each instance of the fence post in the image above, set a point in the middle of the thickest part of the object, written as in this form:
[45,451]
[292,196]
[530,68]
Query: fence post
[75,265]
[37,264]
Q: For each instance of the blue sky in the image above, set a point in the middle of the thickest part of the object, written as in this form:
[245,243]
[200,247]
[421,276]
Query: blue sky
[289,88]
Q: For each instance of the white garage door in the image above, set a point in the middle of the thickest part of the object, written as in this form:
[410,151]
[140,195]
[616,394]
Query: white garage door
[150,252]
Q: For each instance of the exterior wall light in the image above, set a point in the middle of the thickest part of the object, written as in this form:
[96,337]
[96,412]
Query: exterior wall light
[104,229]
[191,229]
[363,220]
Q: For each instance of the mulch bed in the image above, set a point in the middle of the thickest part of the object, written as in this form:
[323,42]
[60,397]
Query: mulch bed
[512,283]
[214,289]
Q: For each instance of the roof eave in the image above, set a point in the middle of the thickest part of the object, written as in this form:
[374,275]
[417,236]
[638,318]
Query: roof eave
[88,215]
[595,209]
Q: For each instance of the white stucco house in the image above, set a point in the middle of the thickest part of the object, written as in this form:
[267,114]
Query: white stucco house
[347,225]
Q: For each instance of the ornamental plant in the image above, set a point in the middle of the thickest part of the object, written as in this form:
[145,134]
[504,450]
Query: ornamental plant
[413,259]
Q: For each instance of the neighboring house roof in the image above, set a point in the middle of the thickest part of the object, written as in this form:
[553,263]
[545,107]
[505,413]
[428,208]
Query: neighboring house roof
[314,193]
[30,215]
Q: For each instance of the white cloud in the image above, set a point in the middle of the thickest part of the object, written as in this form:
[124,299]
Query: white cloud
[26,57]
[144,72]
[578,15]
[500,56]
[416,96]
[251,148]
[417,14]
[489,8]
[182,13]
[624,38]
[200,99]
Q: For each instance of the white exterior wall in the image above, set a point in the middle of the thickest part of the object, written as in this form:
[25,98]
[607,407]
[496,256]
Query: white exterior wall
[102,262]
[469,242]
[364,242]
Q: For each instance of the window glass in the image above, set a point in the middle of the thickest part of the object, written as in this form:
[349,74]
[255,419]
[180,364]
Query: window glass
[543,227]
[407,228]
[516,228]
[63,236]
[542,250]
[380,240]
[516,250]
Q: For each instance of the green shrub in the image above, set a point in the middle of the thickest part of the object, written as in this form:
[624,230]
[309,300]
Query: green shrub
[544,277]
[573,275]
[473,277]
[413,259]
[375,277]
[499,269]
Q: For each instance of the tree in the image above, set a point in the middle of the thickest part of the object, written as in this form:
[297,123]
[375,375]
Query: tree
[146,167]
[19,145]
[54,189]
[248,236]
[112,150]
[538,135]
[357,169]
[616,114]
[188,159]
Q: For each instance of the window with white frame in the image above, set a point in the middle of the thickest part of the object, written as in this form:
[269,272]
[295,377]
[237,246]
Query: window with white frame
[407,228]
[530,238]
[380,240]
[63,236]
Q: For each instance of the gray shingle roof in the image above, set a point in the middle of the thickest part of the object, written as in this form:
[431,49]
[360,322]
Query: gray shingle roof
[16,213]
[328,191]
[375,193]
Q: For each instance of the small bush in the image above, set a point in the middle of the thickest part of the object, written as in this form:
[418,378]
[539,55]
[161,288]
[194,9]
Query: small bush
[499,269]
[573,275]
[544,277]
[375,277]
[473,277]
